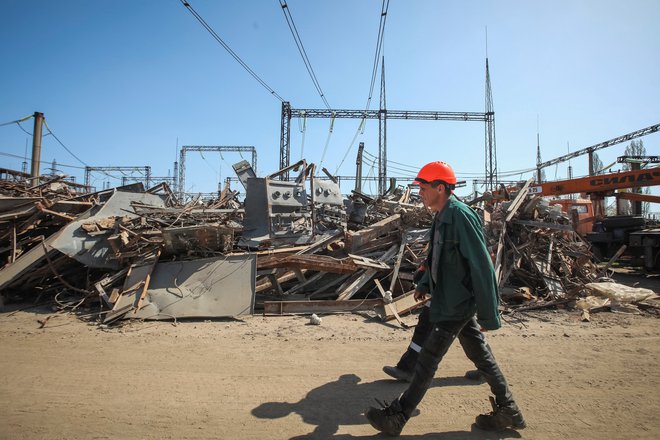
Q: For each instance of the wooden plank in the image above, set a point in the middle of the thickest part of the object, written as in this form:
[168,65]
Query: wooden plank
[350,290]
[356,239]
[135,287]
[286,276]
[368,262]
[274,282]
[555,288]
[397,265]
[515,205]
[300,275]
[615,257]
[388,305]
[377,244]
[321,263]
[316,306]
[300,286]
[321,243]
[331,283]
[510,212]
[403,303]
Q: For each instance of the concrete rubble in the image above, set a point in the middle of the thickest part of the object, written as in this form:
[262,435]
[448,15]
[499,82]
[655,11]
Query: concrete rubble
[293,246]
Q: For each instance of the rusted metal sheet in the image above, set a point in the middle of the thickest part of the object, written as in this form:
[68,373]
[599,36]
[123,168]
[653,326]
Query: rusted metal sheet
[94,250]
[199,237]
[201,288]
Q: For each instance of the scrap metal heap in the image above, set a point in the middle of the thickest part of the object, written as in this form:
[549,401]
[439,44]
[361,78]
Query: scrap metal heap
[539,256]
[292,247]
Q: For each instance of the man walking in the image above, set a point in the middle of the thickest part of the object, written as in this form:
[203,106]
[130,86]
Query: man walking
[464,301]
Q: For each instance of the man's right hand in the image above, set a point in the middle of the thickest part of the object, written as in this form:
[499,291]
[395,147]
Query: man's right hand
[419,296]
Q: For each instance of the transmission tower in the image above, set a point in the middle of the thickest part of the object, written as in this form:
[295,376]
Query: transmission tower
[539,171]
[382,135]
[144,171]
[491,150]
[382,115]
[219,149]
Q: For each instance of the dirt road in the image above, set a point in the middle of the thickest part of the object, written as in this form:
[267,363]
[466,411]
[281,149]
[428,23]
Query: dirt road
[280,378]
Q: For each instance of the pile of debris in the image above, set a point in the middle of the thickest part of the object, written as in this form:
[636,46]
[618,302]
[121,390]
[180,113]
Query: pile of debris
[539,254]
[293,246]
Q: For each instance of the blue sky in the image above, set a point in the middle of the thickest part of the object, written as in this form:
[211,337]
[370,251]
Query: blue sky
[121,82]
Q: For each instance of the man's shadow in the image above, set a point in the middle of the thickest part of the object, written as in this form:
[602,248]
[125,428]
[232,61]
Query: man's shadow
[343,402]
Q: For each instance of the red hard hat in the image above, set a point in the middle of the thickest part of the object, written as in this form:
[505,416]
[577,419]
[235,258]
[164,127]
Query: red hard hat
[436,171]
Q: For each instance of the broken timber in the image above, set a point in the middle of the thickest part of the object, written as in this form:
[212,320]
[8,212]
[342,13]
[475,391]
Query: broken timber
[323,306]
[351,287]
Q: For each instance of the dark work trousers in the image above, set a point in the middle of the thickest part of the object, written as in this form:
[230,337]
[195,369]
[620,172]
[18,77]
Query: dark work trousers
[422,331]
[475,347]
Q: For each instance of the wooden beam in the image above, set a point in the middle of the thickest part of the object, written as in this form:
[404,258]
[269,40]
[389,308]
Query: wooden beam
[283,278]
[388,305]
[403,303]
[397,266]
[323,306]
[356,239]
[510,212]
[135,288]
[346,292]
[321,263]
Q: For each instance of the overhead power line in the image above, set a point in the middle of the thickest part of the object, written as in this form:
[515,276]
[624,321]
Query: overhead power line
[294,31]
[228,49]
[17,121]
[43,161]
[63,146]
[379,46]
[413,169]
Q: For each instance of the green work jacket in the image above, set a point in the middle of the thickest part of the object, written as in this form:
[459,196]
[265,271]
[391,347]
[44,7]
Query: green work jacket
[465,276]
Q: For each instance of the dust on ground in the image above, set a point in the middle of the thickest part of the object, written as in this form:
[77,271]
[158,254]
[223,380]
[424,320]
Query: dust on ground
[281,378]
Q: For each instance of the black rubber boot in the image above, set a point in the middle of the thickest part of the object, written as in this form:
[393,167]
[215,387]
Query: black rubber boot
[389,419]
[398,373]
[474,375]
[501,418]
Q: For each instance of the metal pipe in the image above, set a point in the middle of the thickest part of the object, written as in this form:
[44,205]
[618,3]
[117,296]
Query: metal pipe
[36,145]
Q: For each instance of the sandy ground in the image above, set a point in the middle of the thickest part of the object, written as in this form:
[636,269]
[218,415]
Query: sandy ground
[281,378]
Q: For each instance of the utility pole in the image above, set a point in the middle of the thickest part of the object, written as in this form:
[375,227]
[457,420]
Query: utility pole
[382,135]
[36,146]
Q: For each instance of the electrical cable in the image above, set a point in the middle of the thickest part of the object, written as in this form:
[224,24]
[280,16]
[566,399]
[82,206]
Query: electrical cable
[71,153]
[327,142]
[303,130]
[63,146]
[301,49]
[373,174]
[379,46]
[24,130]
[414,169]
[17,121]
[228,49]
[357,132]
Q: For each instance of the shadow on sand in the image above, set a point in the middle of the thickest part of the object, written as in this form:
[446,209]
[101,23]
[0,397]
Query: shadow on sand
[343,402]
